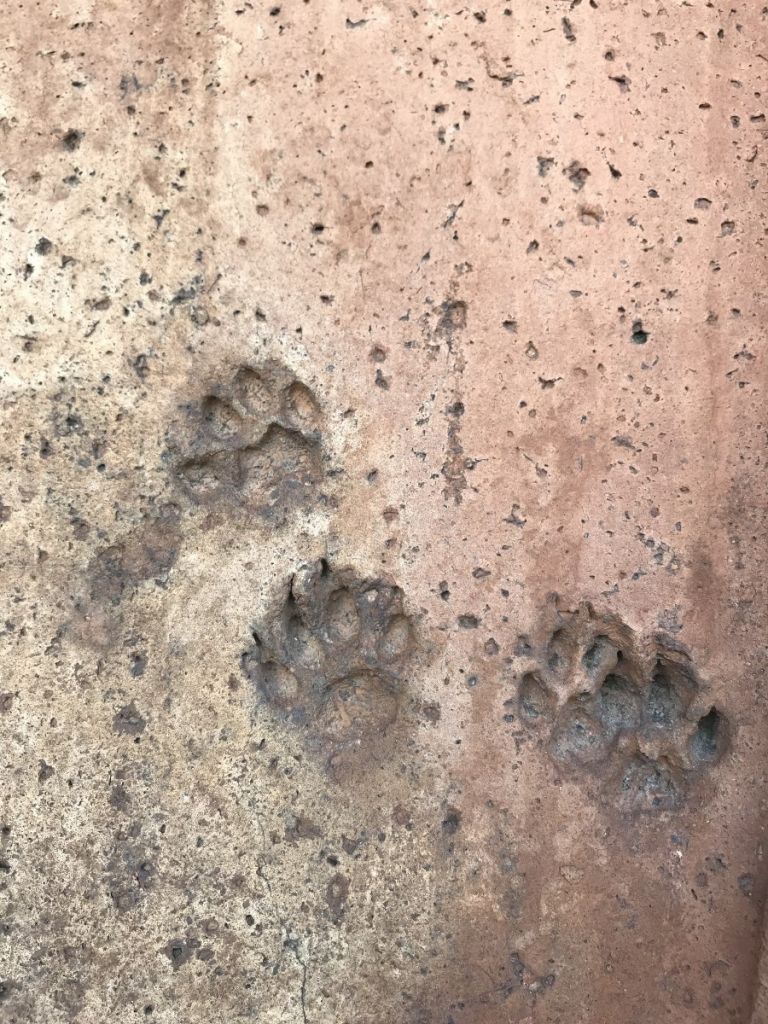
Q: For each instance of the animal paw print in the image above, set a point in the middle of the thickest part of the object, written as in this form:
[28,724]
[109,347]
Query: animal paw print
[257,443]
[331,661]
[636,720]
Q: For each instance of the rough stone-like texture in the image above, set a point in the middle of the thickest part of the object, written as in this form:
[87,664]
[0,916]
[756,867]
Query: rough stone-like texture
[383,512]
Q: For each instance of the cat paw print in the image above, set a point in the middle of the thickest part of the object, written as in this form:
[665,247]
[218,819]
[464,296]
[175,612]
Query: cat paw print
[637,720]
[332,659]
[256,444]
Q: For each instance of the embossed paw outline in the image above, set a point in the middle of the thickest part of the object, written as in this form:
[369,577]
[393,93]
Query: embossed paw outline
[638,721]
[257,444]
[331,659]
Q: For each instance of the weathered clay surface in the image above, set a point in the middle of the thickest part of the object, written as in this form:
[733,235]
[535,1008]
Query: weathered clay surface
[383,512]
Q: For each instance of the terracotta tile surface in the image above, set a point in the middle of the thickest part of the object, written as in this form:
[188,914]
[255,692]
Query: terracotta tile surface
[383,512]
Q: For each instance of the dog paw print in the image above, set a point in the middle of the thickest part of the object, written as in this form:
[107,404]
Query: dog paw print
[257,444]
[332,659]
[637,720]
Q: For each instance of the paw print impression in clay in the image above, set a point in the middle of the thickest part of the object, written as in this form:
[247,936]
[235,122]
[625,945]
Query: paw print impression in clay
[332,660]
[639,722]
[257,444]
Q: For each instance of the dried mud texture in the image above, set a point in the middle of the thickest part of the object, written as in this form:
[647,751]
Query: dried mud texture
[383,512]
[257,444]
[333,662]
